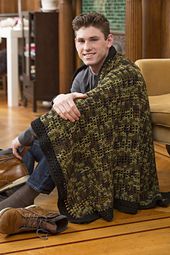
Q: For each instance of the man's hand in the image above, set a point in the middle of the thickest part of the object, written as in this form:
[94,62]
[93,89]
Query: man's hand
[65,106]
[15,145]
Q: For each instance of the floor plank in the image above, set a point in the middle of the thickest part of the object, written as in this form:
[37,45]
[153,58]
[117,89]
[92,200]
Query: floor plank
[89,235]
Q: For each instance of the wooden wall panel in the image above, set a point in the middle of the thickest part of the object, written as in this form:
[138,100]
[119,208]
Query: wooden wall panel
[8,6]
[165,38]
[151,28]
[31,5]
[133,29]
[66,45]
[77,9]
[11,6]
[153,24]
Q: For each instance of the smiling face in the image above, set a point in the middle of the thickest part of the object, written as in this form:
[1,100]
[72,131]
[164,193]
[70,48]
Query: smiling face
[92,46]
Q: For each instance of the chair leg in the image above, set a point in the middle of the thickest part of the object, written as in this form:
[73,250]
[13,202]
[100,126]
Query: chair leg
[168,148]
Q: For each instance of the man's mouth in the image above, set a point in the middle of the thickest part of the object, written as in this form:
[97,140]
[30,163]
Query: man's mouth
[88,55]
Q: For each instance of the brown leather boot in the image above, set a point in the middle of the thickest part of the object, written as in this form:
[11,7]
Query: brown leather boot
[13,171]
[31,218]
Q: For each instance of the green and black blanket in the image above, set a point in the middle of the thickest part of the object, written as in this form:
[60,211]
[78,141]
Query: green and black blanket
[106,159]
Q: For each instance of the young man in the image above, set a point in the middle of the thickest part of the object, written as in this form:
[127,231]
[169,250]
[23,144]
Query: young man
[97,140]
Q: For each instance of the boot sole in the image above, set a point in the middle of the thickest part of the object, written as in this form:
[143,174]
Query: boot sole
[30,206]
[7,208]
[15,183]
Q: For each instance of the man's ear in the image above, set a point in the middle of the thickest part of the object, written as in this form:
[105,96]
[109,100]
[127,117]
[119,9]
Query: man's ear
[110,40]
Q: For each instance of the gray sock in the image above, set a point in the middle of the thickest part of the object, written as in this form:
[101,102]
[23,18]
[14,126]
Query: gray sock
[21,198]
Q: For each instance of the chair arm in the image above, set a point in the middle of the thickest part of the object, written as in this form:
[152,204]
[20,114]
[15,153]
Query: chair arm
[156,73]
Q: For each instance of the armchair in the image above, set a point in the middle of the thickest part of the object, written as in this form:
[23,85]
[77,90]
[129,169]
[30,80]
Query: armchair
[156,73]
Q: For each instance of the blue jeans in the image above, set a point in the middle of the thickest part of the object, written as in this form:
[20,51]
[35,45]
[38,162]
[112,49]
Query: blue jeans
[38,168]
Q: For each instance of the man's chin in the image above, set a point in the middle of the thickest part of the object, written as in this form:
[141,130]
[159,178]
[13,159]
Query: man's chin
[88,62]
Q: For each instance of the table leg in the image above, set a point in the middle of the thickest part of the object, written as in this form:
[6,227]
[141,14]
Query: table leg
[12,71]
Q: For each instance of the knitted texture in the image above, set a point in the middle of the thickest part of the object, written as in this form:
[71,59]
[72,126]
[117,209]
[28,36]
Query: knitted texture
[104,160]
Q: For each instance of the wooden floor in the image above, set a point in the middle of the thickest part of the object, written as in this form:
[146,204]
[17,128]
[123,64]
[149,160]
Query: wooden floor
[146,233]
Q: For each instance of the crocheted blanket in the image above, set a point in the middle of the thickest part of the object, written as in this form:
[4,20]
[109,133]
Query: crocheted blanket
[106,159]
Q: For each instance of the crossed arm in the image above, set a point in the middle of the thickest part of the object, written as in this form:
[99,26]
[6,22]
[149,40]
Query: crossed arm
[64,105]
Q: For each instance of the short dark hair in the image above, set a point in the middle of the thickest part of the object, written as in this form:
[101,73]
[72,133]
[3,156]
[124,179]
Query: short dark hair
[92,19]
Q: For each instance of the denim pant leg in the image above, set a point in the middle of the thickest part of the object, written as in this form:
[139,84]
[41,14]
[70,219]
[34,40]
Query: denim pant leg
[40,179]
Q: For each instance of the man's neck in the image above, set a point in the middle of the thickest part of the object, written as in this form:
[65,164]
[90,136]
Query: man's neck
[96,71]
[93,71]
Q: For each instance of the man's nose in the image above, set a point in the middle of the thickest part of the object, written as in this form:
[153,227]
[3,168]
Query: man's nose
[87,46]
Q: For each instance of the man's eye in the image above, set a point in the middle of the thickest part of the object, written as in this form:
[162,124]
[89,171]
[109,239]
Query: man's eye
[94,39]
[80,41]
